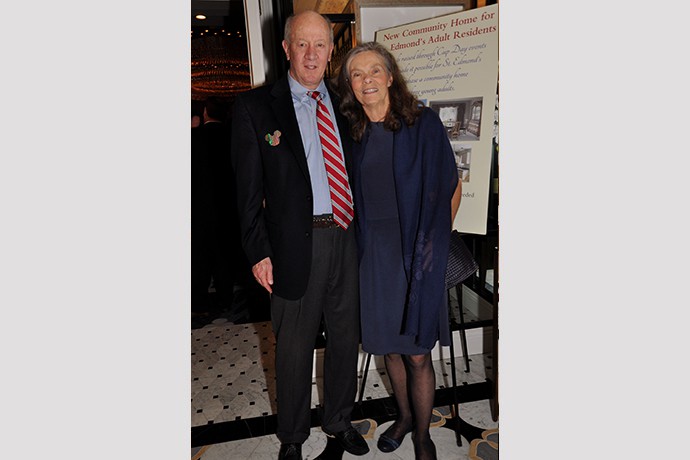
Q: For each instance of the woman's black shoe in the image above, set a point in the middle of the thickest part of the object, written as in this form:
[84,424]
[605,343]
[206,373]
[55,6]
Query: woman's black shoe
[388,443]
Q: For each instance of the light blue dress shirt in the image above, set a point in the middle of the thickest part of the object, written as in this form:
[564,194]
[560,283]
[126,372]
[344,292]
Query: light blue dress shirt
[305,109]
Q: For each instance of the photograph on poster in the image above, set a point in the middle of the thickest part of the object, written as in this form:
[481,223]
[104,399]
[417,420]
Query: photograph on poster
[462,117]
[463,158]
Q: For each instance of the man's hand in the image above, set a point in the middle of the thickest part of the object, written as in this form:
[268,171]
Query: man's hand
[263,273]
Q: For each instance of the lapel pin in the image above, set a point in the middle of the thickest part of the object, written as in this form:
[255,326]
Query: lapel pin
[274,139]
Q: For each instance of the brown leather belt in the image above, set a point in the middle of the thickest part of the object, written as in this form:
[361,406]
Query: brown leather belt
[324,221]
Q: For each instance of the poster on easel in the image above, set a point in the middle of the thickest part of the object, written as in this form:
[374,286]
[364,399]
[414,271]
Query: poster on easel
[451,64]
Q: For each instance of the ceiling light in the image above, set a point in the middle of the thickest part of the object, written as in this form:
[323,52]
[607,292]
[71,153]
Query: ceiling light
[200,16]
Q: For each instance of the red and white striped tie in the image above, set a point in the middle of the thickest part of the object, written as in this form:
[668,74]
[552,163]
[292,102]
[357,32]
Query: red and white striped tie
[341,196]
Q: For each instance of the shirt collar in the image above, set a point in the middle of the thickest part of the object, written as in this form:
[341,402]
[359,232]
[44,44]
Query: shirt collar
[299,92]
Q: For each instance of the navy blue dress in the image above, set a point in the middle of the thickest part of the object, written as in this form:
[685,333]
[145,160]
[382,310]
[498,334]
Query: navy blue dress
[383,284]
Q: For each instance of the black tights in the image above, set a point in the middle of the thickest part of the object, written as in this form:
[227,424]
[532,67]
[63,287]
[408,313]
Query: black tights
[414,382]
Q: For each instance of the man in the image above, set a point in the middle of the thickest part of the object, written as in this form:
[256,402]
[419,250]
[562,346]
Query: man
[228,265]
[297,235]
[203,222]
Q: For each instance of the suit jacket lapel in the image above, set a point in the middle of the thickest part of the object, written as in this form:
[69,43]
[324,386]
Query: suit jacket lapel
[285,114]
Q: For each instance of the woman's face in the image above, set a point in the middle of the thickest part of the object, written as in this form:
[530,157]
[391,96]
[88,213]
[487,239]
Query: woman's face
[370,80]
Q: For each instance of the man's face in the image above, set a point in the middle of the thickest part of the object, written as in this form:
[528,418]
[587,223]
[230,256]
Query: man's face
[309,49]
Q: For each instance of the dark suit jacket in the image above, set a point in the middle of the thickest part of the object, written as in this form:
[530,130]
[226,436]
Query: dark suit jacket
[282,229]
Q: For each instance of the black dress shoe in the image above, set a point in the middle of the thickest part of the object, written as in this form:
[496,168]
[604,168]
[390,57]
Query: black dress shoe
[290,452]
[352,441]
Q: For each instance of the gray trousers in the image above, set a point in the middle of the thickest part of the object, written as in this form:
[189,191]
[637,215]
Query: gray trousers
[332,293]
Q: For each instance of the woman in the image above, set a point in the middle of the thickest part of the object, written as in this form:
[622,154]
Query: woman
[406,194]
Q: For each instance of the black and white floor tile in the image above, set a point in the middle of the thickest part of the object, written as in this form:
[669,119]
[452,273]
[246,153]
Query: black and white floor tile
[233,398]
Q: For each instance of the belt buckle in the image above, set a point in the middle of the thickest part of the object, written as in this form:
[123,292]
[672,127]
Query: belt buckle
[323,221]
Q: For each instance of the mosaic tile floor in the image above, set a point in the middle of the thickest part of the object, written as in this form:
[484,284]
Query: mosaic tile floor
[233,381]
[266,447]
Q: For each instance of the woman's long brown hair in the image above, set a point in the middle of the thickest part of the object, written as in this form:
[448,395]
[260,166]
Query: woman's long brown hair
[403,104]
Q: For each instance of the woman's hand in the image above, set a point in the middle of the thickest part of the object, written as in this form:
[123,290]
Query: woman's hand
[455,202]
